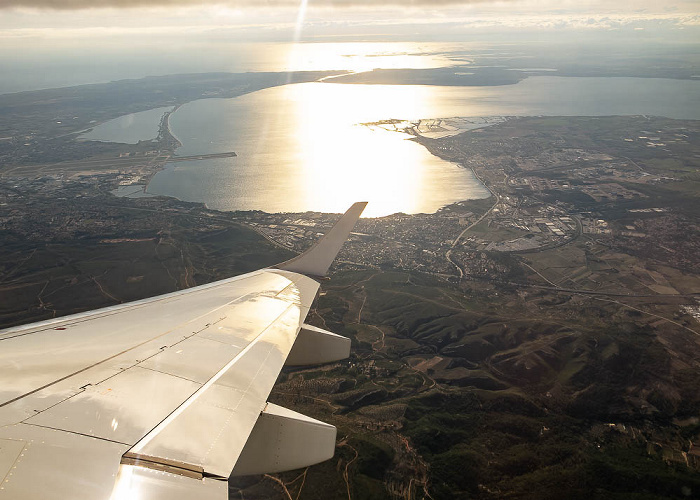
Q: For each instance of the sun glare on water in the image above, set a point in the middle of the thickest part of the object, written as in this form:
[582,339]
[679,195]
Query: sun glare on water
[304,147]
[334,170]
[343,161]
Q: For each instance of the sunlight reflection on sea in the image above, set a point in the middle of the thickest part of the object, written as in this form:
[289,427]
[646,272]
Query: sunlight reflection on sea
[300,147]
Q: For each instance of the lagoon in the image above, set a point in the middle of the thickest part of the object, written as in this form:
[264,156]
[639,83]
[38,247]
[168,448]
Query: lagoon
[129,129]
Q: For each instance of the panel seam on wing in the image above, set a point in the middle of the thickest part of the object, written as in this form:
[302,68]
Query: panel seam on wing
[177,411]
[166,373]
[74,433]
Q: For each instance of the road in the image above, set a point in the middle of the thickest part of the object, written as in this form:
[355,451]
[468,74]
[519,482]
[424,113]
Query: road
[448,255]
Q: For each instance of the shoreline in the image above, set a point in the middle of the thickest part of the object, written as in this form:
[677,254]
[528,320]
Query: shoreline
[171,142]
[164,131]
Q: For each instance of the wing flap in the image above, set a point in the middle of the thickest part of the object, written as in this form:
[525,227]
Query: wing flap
[75,466]
[136,482]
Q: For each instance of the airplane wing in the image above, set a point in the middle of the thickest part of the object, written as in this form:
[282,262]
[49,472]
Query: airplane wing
[166,397]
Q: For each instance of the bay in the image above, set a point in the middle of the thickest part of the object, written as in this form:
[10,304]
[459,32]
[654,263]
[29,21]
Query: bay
[300,147]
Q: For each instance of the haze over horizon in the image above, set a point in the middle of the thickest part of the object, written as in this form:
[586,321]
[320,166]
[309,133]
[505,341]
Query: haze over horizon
[53,43]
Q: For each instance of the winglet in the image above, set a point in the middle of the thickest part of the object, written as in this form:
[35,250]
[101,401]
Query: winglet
[317,259]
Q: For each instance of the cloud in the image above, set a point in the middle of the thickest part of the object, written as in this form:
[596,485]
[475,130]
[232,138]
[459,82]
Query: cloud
[97,4]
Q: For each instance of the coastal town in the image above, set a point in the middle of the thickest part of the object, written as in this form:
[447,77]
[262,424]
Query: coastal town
[546,194]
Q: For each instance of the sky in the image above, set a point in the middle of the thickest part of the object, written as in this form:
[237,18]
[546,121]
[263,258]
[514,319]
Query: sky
[46,43]
[276,19]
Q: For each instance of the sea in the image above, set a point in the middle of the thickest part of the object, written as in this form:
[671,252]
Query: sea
[304,147]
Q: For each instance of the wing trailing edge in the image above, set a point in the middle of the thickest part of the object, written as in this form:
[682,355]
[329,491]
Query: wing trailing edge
[317,259]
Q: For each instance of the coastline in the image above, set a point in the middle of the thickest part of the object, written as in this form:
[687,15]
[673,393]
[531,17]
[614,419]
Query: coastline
[165,134]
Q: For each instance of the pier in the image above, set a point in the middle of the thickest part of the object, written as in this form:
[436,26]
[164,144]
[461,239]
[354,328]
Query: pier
[228,154]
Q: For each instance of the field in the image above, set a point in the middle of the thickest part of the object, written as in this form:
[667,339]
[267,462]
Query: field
[147,253]
[488,393]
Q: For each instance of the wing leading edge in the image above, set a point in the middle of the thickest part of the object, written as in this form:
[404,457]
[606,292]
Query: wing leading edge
[165,397]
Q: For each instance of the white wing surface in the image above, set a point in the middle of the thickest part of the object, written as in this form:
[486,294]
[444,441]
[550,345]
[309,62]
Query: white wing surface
[165,397]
